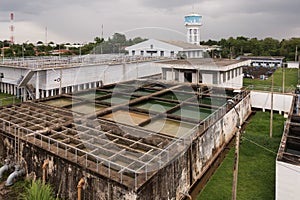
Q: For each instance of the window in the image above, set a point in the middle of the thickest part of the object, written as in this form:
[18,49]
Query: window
[228,75]
[172,53]
[236,72]
[195,38]
[232,74]
[190,31]
[176,75]
[142,53]
[162,53]
[224,76]
[195,31]
[133,52]
[151,46]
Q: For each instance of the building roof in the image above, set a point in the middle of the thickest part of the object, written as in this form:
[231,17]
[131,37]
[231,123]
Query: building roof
[185,45]
[203,61]
[262,57]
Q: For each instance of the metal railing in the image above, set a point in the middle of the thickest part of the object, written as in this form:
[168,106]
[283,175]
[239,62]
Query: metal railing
[69,61]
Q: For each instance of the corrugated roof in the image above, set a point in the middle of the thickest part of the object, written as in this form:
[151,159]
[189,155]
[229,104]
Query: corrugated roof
[184,45]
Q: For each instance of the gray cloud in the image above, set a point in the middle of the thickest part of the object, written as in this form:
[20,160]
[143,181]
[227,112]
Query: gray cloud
[81,20]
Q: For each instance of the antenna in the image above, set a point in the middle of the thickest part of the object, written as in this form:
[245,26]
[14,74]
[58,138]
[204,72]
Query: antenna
[12,28]
[46,36]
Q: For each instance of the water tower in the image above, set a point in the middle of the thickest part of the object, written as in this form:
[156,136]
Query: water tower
[193,22]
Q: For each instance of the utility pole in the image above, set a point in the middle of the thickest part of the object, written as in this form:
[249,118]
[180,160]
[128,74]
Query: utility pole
[236,163]
[296,53]
[283,78]
[236,152]
[271,114]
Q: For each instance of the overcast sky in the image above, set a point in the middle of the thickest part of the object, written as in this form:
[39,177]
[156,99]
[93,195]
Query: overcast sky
[81,20]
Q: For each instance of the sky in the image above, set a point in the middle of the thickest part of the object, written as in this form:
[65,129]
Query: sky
[81,21]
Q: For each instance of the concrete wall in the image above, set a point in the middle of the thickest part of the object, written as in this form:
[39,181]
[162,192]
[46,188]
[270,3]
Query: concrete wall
[12,75]
[153,45]
[287,181]
[262,100]
[206,147]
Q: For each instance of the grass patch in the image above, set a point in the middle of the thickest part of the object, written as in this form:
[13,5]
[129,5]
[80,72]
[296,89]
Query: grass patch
[256,178]
[291,80]
[7,99]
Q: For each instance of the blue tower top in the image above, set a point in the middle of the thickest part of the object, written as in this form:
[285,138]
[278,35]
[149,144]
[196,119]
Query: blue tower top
[193,19]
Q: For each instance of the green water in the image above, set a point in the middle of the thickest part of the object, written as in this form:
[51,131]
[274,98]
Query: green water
[59,102]
[118,99]
[144,92]
[91,95]
[169,127]
[87,108]
[210,101]
[157,106]
[124,117]
[193,112]
[176,96]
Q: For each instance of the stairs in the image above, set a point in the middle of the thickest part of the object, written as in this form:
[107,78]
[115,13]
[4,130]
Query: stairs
[31,90]
[24,80]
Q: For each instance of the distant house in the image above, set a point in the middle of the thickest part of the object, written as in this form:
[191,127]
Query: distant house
[161,48]
[293,64]
[264,61]
[218,72]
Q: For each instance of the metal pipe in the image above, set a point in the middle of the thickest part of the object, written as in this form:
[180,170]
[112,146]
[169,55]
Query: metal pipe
[4,168]
[13,176]
[44,167]
[79,187]
[186,195]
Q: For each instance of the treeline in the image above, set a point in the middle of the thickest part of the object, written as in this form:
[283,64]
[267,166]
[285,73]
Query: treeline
[234,47]
[114,44]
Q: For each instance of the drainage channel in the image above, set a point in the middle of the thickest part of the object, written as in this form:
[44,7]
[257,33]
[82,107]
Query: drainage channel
[198,187]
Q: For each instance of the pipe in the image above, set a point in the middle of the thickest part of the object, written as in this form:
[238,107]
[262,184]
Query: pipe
[4,168]
[186,195]
[79,187]
[13,176]
[45,165]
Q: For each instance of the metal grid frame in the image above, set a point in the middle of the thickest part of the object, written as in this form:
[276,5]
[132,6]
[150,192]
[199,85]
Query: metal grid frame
[122,153]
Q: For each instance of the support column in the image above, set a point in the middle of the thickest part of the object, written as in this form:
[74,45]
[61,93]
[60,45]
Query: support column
[5,87]
[47,93]
[52,94]
[24,93]
[37,86]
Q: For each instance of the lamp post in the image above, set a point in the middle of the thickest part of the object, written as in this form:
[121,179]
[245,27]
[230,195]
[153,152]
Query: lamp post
[236,153]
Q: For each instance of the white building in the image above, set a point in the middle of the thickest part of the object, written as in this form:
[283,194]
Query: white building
[155,48]
[48,76]
[264,61]
[293,64]
[219,72]
[288,159]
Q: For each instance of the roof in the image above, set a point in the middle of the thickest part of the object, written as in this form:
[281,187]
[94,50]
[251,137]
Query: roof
[262,57]
[203,61]
[185,45]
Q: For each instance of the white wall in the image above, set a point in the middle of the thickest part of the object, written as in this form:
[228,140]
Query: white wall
[106,73]
[293,65]
[262,100]
[287,181]
[157,46]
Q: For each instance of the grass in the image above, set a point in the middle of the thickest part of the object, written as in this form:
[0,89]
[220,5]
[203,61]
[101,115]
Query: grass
[7,99]
[291,80]
[256,178]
